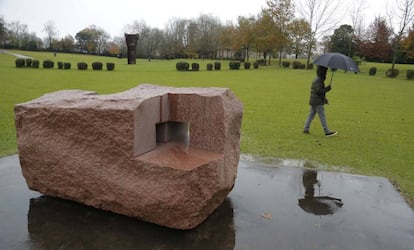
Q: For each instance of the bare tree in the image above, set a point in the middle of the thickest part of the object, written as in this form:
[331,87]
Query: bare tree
[322,16]
[50,29]
[357,19]
[404,11]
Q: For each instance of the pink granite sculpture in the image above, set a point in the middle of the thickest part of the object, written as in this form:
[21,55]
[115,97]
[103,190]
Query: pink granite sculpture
[164,155]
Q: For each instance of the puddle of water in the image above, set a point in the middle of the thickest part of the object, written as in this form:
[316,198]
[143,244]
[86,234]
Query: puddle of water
[271,207]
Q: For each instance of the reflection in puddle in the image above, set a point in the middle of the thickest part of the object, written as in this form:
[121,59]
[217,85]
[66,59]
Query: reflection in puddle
[318,205]
[271,207]
[59,224]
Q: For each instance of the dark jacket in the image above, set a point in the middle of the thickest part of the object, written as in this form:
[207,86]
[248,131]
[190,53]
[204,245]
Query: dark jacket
[318,90]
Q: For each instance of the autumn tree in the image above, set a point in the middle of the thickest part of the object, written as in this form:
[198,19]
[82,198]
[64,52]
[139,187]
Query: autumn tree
[407,44]
[282,12]
[299,32]
[377,47]
[265,35]
[405,12]
[243,37]
[92,40]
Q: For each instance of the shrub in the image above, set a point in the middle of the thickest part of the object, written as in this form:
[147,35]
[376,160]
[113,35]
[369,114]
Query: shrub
[182,66]
[217,66]
[60,65]
[66,65]
[256,65]
[298,65]
[82,66]
[234,65]
[35,64]
[209,66]
[97,66]
[410,74]
[48,64]
[372,71]
[392,73]
[286,64]
[29,62]
[247,65]
[110,66]
[20,62]
[310,66]
[262,62]
[195,67]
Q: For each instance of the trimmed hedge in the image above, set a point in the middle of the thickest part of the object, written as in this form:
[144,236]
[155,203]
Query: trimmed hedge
[182,66]
[286,64]
[256,65]
[97,66]
[82,66]
[209,66]
[392,73]
[372,71]
[310,66]
[60,65]
[195,67]
[247,65]
[20,63]
[410,74]
[235,65]
[217,66]
[298,65]
[29,62]
[110,66]
[66,65]
[35,64]
[48,64]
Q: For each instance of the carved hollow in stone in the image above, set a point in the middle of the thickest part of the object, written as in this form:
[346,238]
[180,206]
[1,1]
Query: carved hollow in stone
[164,155]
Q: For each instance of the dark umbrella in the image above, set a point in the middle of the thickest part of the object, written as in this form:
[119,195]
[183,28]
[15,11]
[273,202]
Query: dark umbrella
[336,61]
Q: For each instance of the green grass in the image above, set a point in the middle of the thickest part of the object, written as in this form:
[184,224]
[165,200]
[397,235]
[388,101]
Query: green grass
[373,114]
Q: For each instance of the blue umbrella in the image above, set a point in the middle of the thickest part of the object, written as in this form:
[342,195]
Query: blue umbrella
[336,61]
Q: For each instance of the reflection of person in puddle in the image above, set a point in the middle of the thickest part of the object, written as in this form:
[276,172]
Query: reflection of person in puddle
[318,205]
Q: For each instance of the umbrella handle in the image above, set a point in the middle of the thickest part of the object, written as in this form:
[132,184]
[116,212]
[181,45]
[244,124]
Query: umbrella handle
[330,83]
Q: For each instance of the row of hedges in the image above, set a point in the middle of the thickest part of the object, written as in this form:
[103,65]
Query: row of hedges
[233,65]
[392,73]
[296,65]
[49,64]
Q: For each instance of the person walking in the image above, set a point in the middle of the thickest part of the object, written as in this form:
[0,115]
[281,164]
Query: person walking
[317,101]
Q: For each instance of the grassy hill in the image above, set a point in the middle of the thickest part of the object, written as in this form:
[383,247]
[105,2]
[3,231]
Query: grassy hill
[373,114]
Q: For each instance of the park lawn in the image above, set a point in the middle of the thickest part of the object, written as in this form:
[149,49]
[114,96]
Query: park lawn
[373,114]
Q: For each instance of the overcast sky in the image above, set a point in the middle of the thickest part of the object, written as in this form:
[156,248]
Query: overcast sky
[71,16]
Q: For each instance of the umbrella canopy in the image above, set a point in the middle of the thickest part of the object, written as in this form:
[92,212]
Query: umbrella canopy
[337,61]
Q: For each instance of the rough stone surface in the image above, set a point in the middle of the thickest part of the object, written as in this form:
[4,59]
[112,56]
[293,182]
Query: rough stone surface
[102,150]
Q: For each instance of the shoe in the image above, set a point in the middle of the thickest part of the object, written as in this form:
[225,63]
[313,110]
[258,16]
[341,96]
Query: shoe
[306,131]
[332,133]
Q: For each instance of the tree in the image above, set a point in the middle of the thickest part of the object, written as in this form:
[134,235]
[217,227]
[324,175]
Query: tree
[50,29]
[67,43]
[243,36]
[282,12]
[300,30]
[377,46]
[342,40]
[322,16]
[3,32]
[407,44]
[92,40]
[266,35]
[405,10]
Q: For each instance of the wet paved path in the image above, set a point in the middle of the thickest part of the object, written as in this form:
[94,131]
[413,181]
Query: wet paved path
[2,51]
[271,207]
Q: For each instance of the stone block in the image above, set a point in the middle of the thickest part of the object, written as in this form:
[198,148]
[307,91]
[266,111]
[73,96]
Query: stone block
[160,154]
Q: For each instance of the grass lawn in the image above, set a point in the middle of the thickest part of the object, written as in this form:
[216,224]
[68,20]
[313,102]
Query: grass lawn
[373,114]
